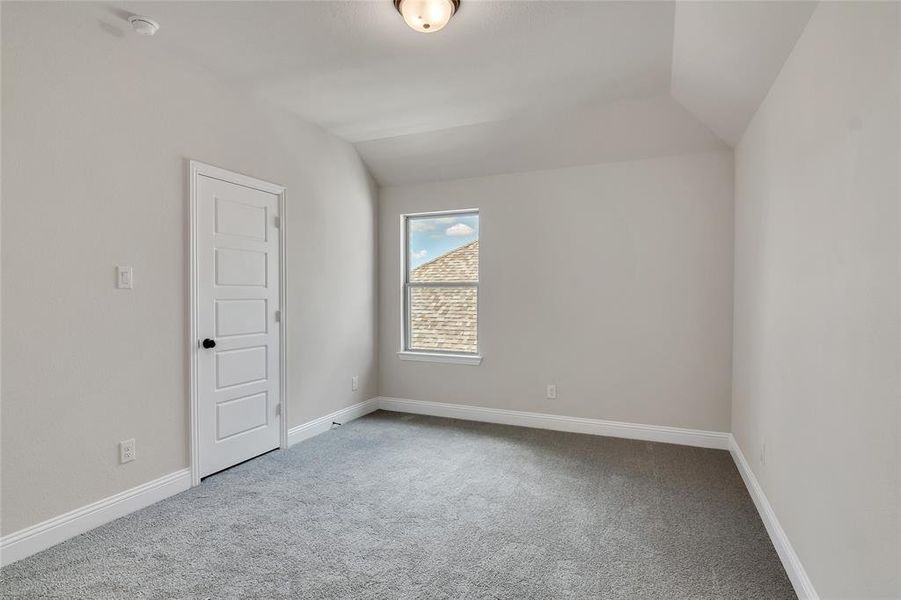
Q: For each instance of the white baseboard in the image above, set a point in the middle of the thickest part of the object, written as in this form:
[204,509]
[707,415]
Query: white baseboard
[654,433]
[790,561]
[30,540]
[633,431]
[323,424]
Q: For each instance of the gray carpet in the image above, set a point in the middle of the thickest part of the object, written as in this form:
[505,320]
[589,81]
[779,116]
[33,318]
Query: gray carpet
[404,506]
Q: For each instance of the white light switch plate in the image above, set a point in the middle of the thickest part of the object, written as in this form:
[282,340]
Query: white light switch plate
[124,277]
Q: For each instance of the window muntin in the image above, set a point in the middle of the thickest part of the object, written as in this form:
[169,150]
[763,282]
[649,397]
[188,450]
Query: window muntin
[441,282]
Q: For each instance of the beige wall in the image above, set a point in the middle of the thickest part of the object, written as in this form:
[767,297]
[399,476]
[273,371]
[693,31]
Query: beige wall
[97,128]
[816,375]
[612,281]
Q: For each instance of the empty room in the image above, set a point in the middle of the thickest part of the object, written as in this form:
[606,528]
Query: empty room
[252,344]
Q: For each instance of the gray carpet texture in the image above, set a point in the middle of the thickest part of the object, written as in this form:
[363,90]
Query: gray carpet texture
[404,506]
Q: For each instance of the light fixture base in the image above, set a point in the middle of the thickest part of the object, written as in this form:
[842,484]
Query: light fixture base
[425,16]
[143,25]
[397,4]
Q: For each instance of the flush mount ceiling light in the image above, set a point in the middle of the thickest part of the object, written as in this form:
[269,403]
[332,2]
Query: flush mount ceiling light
[143,25]
[427,16]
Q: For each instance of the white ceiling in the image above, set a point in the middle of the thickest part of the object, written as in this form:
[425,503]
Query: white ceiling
[607,132]
[506,86]
[726,56]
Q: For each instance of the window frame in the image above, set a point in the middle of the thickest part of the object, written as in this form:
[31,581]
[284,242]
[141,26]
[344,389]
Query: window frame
[406,352]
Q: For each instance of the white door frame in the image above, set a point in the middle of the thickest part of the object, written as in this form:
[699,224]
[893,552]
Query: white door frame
[197,169]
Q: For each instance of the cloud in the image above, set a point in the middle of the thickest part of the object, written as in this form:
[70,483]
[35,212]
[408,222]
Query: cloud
[421,225]
[460,230]
[420,254]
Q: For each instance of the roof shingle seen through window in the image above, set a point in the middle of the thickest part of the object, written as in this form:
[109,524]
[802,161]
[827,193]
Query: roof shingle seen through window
[445,318]
[461,264]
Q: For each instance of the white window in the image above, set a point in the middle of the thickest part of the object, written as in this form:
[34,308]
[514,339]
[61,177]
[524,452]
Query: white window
[441,287]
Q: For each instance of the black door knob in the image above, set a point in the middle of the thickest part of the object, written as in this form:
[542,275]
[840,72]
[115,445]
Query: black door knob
[208,343]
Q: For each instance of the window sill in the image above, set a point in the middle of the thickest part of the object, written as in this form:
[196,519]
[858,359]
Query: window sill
[455,359]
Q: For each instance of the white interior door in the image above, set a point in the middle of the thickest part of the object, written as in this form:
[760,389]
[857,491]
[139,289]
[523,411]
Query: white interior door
[237,287]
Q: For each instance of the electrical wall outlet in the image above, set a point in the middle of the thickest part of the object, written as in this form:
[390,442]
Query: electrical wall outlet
[127,451]
[355,383]
[124,277]
[551,391]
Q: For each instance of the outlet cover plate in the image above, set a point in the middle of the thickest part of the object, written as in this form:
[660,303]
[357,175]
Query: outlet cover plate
[127,451]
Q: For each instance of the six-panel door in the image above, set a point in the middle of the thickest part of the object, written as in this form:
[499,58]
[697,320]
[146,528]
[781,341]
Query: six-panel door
[238,295]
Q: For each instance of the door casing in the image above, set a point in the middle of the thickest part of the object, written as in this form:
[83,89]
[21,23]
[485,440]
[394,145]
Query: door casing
[196,169]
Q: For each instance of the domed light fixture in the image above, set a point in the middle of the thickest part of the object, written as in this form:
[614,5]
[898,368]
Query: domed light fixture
[427,16]
[143,25]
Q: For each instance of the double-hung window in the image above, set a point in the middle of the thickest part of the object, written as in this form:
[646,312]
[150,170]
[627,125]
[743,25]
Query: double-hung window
[441,287]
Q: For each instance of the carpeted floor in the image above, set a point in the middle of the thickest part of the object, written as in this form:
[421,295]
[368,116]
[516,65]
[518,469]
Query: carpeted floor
[403,506]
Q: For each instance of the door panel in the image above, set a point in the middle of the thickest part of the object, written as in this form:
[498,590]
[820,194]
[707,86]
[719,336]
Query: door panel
[241,414]
[240,317]
[241,366]
[240,267]
[238,297]
[244,220]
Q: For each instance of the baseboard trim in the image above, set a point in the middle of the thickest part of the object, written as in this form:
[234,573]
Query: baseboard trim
[28,541]
[632,431]
[31,540]
[323,424]
[790,560]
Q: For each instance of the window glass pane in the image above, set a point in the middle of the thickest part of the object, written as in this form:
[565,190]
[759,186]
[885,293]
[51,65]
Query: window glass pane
[444,248]
[443,319]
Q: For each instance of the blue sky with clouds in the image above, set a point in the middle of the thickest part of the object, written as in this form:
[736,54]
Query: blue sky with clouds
[430,237]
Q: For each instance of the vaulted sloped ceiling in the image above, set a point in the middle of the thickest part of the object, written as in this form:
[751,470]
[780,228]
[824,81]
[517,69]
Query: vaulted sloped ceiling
[726,56]
[608,132]
[507,86]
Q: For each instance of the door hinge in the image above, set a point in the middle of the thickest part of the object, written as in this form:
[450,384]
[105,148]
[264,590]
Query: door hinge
[278,316]
[278,221]
[278,409]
